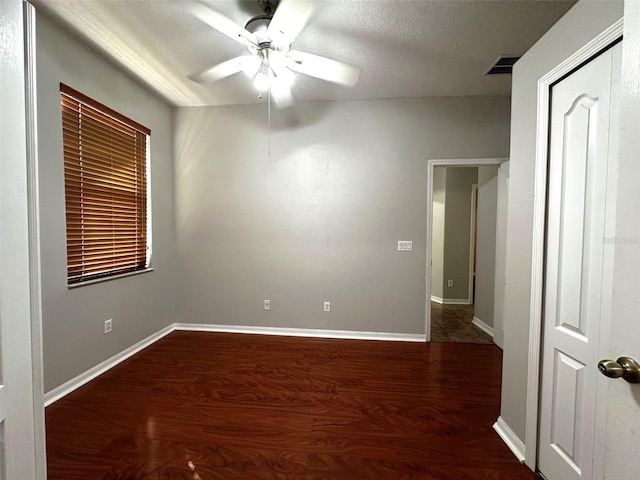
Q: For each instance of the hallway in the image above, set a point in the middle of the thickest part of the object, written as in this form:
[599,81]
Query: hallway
[452,323]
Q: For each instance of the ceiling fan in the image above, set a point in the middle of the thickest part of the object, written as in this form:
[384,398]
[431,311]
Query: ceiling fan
[271,61]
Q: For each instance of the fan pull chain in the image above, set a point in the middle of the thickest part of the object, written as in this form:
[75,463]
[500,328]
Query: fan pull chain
[269,122]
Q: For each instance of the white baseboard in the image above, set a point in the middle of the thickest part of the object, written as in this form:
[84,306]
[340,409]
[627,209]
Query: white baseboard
[450,301]
[456,301]
[510,439]
[75,383]
[302,332]
[482,326]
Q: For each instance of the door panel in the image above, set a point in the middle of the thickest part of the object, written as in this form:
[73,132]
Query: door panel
[579,190]
[569,390]
[573,217]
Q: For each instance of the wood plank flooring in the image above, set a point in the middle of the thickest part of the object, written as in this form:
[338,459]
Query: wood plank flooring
[209,406]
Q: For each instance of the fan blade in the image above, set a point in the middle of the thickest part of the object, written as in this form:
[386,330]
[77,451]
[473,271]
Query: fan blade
[222,70]
[222,24]
[323,68]
[281,94]
[290,18]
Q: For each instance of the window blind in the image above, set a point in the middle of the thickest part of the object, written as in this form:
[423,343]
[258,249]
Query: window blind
[105,175]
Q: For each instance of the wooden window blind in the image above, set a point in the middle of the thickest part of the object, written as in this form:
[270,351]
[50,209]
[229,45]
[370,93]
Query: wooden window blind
[105,175]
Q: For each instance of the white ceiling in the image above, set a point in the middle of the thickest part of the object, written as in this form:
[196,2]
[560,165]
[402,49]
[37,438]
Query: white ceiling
[406,48]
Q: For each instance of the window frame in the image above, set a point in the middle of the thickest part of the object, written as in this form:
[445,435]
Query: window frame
[114,124]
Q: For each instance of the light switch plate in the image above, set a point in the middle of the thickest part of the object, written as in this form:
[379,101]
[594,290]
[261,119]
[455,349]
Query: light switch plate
[405,245]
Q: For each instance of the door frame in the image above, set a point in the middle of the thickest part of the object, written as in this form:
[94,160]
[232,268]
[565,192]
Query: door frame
[33,211]
[20,287]
[501,261]
[431,164]
[534,372]
[473,226]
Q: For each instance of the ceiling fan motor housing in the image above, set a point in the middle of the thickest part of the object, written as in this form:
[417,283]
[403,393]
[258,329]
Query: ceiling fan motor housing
[259,24]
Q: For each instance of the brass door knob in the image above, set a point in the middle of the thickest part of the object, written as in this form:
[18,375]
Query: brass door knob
[625,367]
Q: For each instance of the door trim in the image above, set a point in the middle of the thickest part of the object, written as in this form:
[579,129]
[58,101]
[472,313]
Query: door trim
[33,209]
[591,49]
[431,164]
[472,241]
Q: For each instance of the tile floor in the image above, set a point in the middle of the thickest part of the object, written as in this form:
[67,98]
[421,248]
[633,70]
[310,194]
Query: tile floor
[452,323]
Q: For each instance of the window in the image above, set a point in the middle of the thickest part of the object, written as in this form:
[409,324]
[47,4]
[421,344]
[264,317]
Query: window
[105,178]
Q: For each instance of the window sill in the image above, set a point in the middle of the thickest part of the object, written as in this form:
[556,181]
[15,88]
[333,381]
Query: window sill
[106,279]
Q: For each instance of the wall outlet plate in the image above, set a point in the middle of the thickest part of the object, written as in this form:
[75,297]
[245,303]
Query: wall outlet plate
[267,304]
[108,326]
[327,306]
[405,245]
[449,283]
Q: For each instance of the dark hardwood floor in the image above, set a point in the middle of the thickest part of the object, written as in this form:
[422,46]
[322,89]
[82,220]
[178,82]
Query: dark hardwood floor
[209,406]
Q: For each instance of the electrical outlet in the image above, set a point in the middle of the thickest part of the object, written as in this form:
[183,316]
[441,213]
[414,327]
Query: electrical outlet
[108,326]
[449,283]
[267,304]
[327,306]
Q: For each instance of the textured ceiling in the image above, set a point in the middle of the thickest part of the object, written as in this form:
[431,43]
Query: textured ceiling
[406,48]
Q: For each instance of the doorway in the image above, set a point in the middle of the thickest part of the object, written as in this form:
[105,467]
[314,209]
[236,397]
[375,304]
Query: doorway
[457,303]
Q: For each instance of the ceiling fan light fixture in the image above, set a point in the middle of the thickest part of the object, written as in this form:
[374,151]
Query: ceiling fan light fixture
[278,64]
[262,80]
[272,69]
[251,65]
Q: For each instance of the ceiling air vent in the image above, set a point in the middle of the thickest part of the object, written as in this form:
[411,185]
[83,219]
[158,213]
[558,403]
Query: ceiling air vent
[504,64]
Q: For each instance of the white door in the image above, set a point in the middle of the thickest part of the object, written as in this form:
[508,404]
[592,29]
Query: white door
[580,218]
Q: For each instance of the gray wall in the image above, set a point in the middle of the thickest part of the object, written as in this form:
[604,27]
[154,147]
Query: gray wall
[457,231]
[319,218]
[141,304]
[581,24]
[486,243]
[452,191]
